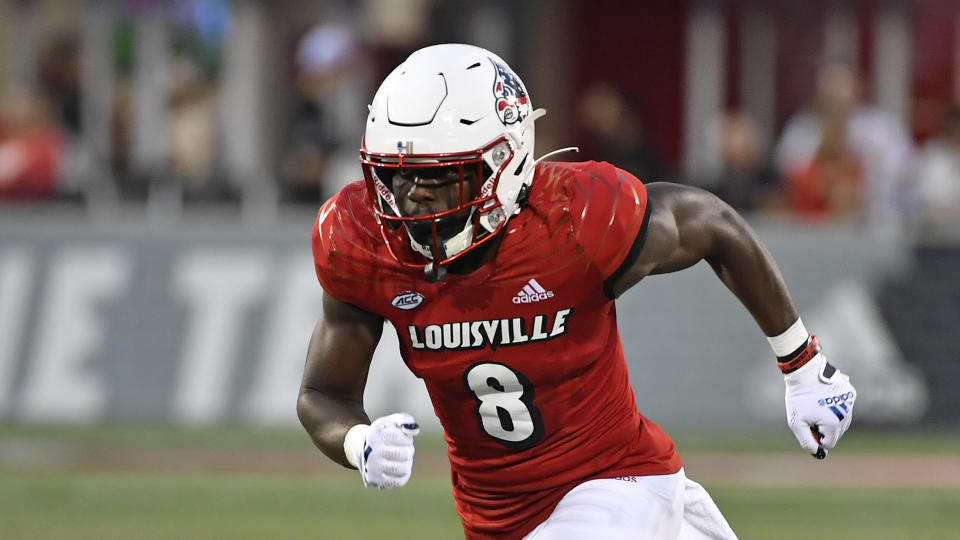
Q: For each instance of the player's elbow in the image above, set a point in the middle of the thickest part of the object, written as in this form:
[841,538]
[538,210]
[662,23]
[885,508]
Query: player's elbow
[305,408]
[712,207]
[712,216]
[717,217]
[689,205]
[731,237]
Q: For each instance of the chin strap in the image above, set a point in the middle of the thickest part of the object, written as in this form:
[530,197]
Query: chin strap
[434,271]
[435,274]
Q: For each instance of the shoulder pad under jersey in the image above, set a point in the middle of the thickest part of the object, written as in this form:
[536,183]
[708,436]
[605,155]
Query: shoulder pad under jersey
[606,208]
[348,251]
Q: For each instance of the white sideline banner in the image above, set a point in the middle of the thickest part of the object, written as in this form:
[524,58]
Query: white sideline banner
[208,323]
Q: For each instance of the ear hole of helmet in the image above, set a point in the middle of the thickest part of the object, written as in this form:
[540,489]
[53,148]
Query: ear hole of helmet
[520,166]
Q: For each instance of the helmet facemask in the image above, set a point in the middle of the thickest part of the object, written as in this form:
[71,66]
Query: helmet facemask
[432,238]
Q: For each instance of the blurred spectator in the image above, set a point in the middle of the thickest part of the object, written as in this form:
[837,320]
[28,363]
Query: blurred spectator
[747,179]
[199,30]
[937,178]
[193,121]
[842,157]
[321,151]
[31,148]
[615,132]
[59,76]
[831,183]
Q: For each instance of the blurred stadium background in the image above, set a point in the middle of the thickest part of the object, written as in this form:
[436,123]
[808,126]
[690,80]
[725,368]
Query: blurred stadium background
[161,163]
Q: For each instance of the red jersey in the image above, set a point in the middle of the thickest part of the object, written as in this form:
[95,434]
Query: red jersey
[522,358]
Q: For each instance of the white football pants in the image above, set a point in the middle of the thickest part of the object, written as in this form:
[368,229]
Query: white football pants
[667,507]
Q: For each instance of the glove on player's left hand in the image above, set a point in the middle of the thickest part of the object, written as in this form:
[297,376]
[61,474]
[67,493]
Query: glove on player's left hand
[819,403]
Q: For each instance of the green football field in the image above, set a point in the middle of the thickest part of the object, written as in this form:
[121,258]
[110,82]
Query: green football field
[124,505]
[179,484]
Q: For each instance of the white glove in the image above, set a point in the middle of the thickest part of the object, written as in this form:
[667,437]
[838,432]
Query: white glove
[383,451]
[819,403]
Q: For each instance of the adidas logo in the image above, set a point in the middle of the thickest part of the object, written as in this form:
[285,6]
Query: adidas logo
[532,292]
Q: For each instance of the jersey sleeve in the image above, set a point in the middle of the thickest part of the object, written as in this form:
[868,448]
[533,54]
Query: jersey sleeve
[344,254]
[324,252]
[611,206]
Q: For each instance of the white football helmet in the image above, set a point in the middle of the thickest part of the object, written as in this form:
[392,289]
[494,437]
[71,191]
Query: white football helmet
[449,105]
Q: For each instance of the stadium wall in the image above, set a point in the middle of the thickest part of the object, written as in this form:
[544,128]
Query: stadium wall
[207,321]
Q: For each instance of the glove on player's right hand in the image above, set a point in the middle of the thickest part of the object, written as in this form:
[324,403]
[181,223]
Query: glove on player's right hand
[384,454]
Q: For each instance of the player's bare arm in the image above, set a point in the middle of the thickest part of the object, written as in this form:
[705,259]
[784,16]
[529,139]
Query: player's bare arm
[330,405]
[688,225]
[335,374]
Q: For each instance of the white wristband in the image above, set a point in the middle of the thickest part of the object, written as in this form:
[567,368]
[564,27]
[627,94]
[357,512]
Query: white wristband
[792,339]
[353,443]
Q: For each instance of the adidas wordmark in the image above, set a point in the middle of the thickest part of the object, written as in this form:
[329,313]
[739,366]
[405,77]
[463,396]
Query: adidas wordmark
[532,292]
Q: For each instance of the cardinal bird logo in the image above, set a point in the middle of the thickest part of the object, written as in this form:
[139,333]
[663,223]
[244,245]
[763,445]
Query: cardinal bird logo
[511,98]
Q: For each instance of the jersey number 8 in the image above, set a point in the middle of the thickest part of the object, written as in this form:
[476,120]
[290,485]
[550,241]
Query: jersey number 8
[505,405]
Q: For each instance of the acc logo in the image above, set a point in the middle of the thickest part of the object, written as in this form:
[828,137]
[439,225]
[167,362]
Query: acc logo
[407,300]
[512,103]
[836,400]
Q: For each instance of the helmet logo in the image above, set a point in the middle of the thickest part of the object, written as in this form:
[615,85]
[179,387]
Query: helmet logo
[404,147]
[511,99]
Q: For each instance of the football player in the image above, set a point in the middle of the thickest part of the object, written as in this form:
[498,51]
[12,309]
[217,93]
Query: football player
[499,271]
